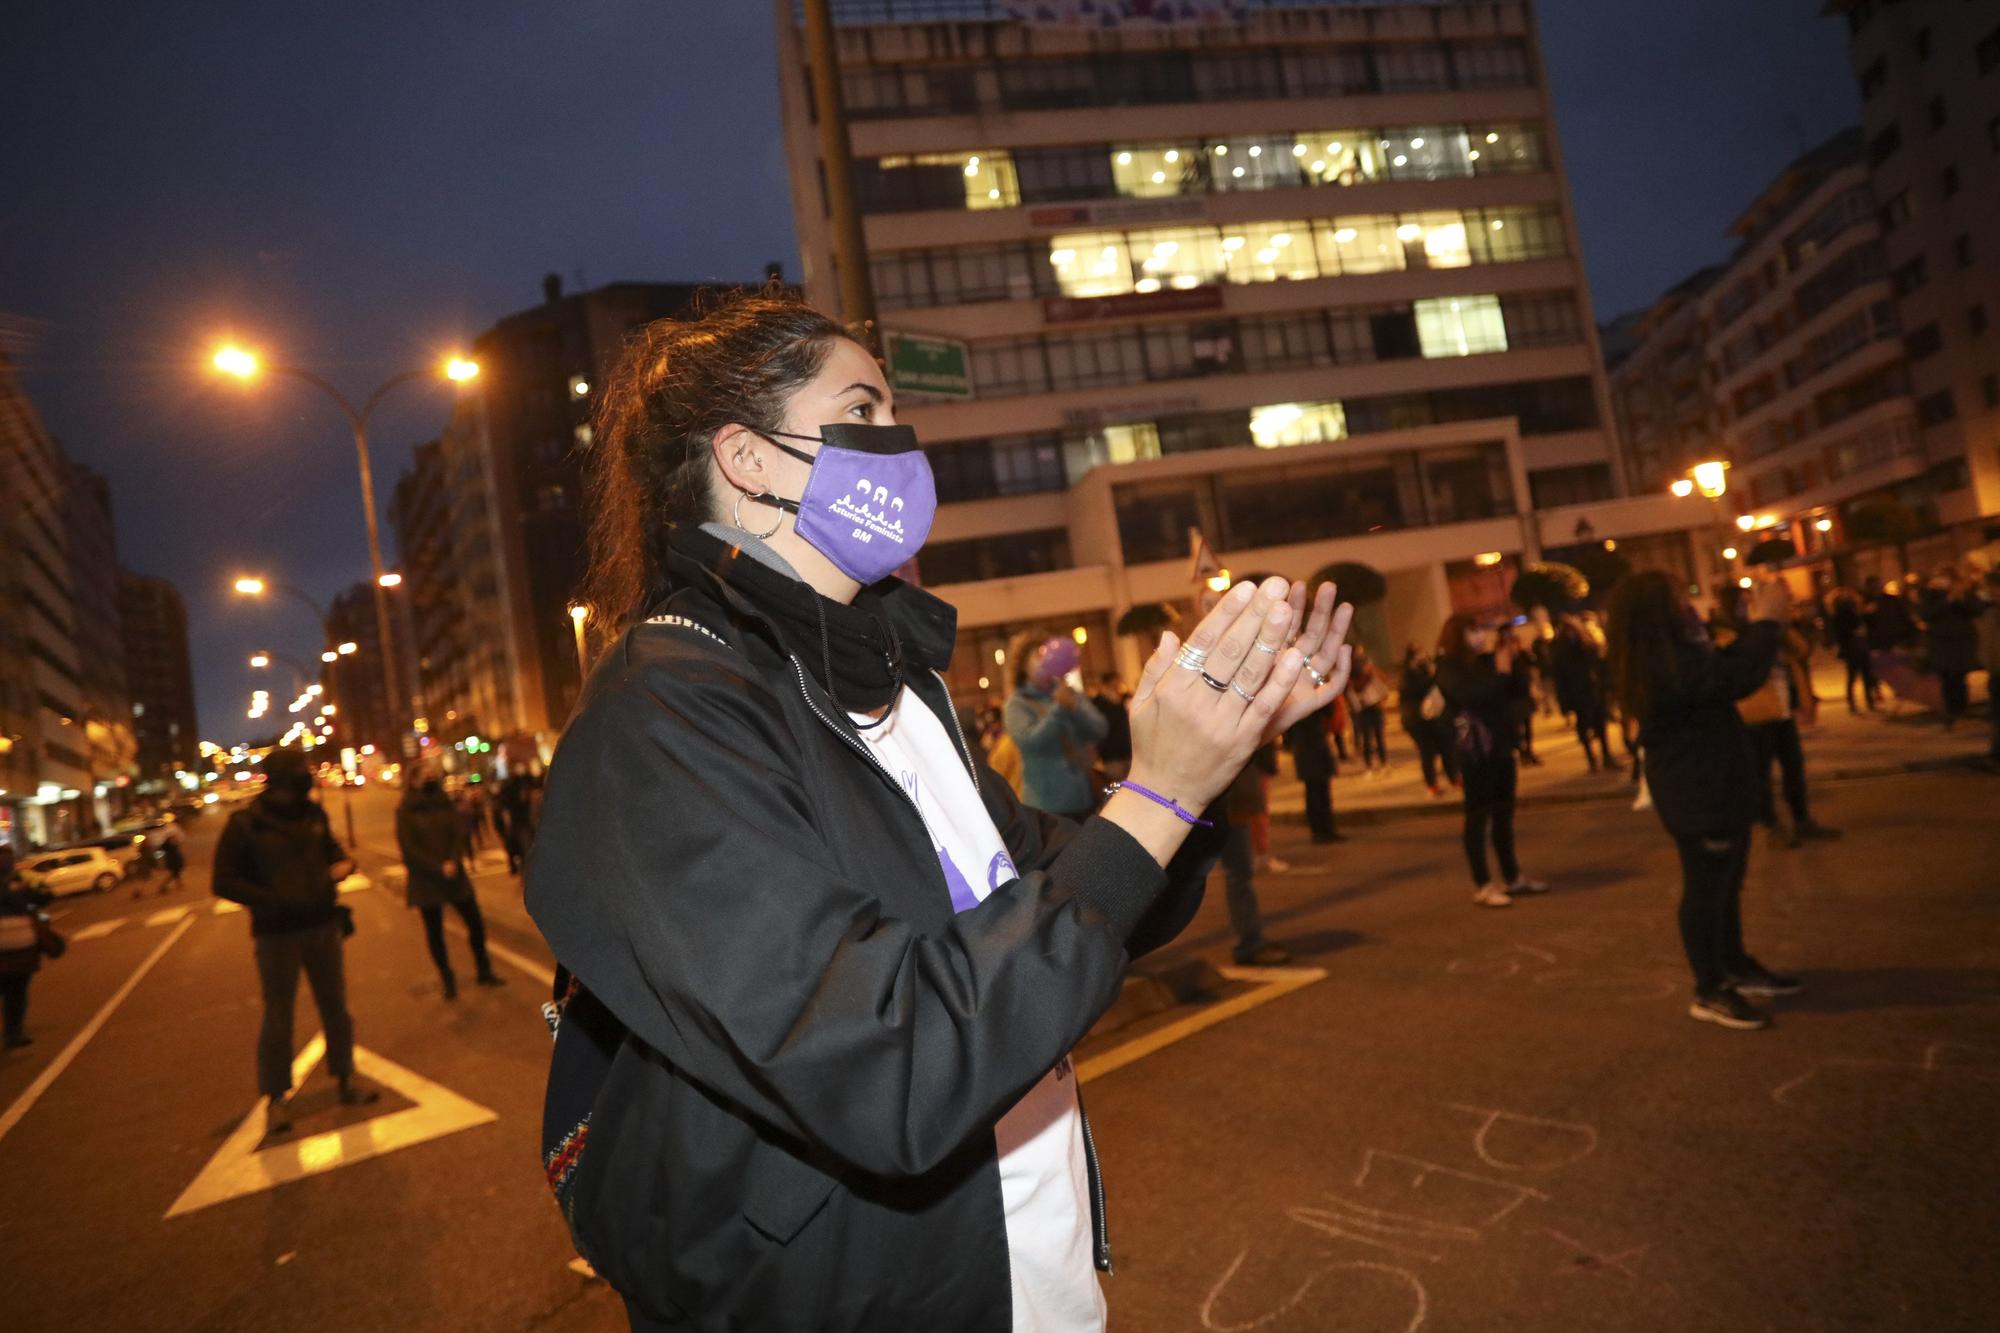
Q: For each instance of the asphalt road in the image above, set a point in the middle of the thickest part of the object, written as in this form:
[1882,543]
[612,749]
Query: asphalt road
[1475,1120]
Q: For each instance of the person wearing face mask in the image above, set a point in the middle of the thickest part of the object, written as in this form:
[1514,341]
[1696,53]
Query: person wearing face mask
[1484,694]
[430,831]
[1054,728]
[277,856]
[1701,768]
[812,1071]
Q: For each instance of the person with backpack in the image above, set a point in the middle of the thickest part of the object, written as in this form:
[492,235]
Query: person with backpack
[1701,769]
[814,1070]
[1484,689]
[26,937]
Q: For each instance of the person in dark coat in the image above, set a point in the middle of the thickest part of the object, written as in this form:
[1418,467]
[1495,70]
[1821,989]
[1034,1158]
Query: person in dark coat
[1484,688]
[1891,622]
[174,861]
[1576,671]
[430,831]
[1312,759]
[1431,735]
[1849,630]
[1951,639]
[1701,769]
[1242,803]
[277,856]
[22,932]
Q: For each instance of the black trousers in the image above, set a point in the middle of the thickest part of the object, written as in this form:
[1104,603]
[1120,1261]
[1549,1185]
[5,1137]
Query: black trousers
[1779,742]
[1711,915]
[475,930]
[1593,723]
[1319,808]
[1435,751]
[1860,669]
[1370,736]
[316,949]
[1957,698]
[1490,784]
[14,1001]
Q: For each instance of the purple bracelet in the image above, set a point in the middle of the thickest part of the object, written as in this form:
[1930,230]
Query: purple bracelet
[1157,799]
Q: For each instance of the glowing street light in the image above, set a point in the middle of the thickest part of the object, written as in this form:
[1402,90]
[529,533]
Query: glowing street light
[250,586]
[329,656]
[1682,489]
[1219,582]
[460,369]
[233,360]
[260,660]
[1729,553]
[1746,521]
[1824,525]
[348,649]
[1709,478]
[391,579]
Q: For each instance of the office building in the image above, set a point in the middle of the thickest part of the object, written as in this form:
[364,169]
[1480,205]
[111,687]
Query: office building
[352,682]
[1306,281]
[158,673]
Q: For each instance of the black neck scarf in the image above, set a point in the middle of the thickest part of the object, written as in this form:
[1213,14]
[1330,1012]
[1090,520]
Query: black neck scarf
[852,650]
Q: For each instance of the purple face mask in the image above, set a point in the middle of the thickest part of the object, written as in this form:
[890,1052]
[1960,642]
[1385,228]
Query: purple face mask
[869,500]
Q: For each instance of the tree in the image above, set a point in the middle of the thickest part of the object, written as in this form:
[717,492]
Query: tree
[1360,584]
[1549,585]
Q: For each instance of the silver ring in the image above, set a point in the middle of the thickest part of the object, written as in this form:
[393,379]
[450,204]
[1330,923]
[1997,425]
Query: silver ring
[1213,683]
[1263,647]
[1237,687]
[1318,679]
[1190,659]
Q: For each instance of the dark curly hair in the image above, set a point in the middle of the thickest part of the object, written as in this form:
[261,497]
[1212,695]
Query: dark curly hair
[1643,628]
[738,360]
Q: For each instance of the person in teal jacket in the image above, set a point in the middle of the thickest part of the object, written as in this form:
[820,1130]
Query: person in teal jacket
[1054,728]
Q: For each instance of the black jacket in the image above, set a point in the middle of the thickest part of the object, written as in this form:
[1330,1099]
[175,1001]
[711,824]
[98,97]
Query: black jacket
[430,832]
[802,1049]
[1482,706]
[279,865]
[1700,765]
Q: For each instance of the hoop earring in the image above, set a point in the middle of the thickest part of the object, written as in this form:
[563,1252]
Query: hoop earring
[736,515]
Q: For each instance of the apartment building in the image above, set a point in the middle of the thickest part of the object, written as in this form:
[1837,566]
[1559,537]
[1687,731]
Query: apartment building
[1929,74]
[1661,385]
[1306,280]
[97,630]
[159,673]
[45,774]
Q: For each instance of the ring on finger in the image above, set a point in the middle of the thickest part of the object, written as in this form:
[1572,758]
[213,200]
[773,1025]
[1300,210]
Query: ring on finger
[1190,657]
[1263,647]
[1213,683]
[1318,679]
[1236,687]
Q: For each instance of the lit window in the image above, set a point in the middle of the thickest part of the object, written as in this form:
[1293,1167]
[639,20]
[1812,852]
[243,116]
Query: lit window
[1281,425]
[1460,326]
[1160,171]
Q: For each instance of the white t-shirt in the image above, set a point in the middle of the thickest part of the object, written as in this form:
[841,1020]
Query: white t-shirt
[1044,1181]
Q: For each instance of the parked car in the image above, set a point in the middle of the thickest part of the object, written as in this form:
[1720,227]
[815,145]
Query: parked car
[125,848]
[73,870]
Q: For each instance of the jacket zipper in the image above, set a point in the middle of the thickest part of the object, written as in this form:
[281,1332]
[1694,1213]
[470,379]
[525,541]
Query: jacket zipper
[1099,1232]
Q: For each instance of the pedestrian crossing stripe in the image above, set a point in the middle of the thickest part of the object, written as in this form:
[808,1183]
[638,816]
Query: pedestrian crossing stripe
[239,1167]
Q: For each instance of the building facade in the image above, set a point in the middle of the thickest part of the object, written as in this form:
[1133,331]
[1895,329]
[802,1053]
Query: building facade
[159,673]
[353,682]
[1307,283]
[45,766]
[110,743]
[491,522]
[1929,74]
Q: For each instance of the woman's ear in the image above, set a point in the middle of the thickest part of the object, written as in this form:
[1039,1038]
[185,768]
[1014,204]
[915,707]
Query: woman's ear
[739,456]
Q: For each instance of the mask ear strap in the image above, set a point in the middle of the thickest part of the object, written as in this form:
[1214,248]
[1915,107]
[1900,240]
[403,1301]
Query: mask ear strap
[799,454]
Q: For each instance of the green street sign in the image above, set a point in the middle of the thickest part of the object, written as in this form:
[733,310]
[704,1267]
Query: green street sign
[941,367]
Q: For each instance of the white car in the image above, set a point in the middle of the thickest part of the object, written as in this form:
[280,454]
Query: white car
[75,870]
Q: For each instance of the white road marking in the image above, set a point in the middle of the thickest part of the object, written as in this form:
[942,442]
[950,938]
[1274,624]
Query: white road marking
[167,916]
[27,1099]
[97,930]
[239,1167]
[1277,981]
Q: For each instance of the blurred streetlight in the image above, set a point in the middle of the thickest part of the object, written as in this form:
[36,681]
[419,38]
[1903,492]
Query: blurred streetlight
[1220,582]
[1746,521]
[390,580]
[579,615]
[250,587]
[243,364]
[1682,489]
[348,649]
[1710,479]
[260,660]
[329,656]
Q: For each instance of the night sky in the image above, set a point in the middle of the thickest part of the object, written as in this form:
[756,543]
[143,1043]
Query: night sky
[360,188]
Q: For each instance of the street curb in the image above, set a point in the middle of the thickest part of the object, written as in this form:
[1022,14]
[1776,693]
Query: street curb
[1620,791]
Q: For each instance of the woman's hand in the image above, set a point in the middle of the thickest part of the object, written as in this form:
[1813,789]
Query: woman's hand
[1328,655]
[1202,707]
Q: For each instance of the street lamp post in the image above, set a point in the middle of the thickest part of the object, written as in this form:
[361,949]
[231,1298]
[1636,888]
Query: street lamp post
[242,364]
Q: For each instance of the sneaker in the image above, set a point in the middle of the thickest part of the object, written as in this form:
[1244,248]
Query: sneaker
[1756,979]
[1730,1010]
[1275,866]
[1526,885]
[1815,831]
[1491,895]
[1266,955]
